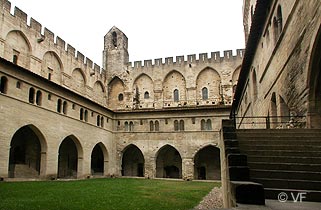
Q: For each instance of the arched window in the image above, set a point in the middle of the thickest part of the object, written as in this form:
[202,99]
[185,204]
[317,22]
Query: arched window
[126,126]
[181,125]
[98,120]
[59,105]
[208,125]
[102,121]
[31,95]
[146,95]
[156,125]
[277,24]
[254,81]
[18,84]
[203,127]
[86,115]
[204,93]
[151,126]
[15,59]
[114,34]
[131,126]
[175,125]
[3,85]
[64,107]
[81,114]
[120,97]
[176,95]
[38,98]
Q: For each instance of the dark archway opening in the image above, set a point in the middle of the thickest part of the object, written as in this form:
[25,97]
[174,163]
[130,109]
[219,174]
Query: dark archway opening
[168,163]
[97,161]
[25,154]
[207,164]
[132,162]
[67,159]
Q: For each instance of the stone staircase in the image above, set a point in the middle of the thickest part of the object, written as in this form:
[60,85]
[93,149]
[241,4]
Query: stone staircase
[287,161]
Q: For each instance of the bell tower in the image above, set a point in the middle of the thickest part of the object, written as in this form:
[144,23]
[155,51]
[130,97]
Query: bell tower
[115,54]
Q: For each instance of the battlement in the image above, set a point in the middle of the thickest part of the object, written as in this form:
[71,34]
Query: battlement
[47,37]
[189,60]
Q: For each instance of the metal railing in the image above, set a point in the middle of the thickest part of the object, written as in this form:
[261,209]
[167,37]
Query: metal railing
[269,122]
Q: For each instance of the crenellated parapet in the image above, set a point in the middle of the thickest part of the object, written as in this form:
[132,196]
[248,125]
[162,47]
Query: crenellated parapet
[215,57]
[42,52]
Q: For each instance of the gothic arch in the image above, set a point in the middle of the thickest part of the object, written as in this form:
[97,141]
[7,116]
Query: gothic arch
[132,162]
[70,156]
[51,67]
[174,80]
[208,78]
[99,91]
[116,89]
[207,164]
[17,48]
[314,84]
[79,79]
[28,152]
[144,84]
[168,162]
[99,159]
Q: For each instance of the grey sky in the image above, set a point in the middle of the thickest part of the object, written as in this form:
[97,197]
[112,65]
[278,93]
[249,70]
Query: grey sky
[155,29]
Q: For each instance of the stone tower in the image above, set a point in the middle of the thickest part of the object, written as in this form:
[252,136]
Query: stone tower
[115,54]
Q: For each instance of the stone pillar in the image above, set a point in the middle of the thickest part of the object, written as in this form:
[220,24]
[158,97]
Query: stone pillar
[150,167]
[51,164]
[187,168]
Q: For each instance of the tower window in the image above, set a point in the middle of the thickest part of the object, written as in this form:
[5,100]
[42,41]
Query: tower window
[38,98]
[59,103]
[114,34]
[31,95]
[15,59]
[204,93]
[64,107]
[120,97]
[3,85]
[18,85]
[146,95]
[176,95]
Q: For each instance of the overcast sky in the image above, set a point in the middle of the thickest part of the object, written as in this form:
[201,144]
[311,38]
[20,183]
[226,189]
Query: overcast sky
[155,28]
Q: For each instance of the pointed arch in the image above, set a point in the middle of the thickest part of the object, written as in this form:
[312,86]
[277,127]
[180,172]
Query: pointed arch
[168,162]
[132,161]
[99,160]
[208,83]
[28,153]
[116,88]
[174,80]
[207,164]
[145,87]
[70,157]
[273,111]
[51,67]
[17,48]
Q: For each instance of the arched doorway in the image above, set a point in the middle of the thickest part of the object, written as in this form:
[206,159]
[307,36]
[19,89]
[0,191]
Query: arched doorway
[68,158]
[168,163]
[207,164]
[132,162]
[99,160]
[27,153]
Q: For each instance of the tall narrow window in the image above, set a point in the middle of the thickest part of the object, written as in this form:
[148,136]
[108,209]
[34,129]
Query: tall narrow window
[31,95]
[3,85]
[86,115]
[176,125]
[64,107]
[59,103]
[146,95]
[156,125]
[279,19]
[18,85]
[102,121]
[120,97]
[126,126]
[114,34]
[98,120]
[208,125]
[176,95]
[15,59]
[181,125]
[131,126]
[81,114]
[203,125]
[204,93]
[151,126]
[38,98]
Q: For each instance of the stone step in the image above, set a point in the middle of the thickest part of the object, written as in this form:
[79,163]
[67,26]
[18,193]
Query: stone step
[293,147]
[285,166]
[287,153]
[285,159]
[279,142]
[271,138]
[279,131]
[283,174]
[292,194]
[289,184]
[248,192]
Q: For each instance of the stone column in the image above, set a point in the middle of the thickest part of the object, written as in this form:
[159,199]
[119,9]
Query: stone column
[187,168]
[150,167]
